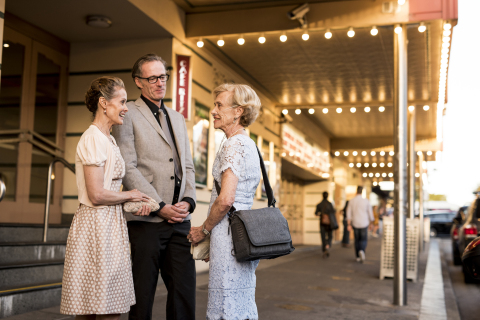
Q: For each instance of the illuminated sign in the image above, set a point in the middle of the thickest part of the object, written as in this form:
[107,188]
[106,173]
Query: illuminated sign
[182,91]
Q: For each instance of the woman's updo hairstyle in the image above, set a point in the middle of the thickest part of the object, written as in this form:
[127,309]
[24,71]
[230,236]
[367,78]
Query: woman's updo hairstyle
[106,87]
[243,96]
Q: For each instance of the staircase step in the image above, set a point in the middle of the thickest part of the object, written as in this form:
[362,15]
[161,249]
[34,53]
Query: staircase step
[26,273]
[36,296]
[15,252]
[12,232]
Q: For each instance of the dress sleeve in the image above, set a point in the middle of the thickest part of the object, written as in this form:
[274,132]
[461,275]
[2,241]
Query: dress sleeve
[92,151]
[233,157]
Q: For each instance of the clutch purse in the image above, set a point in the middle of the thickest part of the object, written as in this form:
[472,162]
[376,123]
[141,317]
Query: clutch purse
[134,206]
[202,250]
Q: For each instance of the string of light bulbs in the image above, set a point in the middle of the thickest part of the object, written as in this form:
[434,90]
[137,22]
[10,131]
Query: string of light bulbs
[367,109]
[305,35]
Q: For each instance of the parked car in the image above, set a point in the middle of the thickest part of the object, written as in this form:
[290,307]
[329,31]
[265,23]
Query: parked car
[467,232]
[457,222]
[440,221]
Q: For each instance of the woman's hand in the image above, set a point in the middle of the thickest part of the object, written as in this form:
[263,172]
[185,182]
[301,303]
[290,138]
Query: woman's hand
[143,211]
[196,235]
[135,195]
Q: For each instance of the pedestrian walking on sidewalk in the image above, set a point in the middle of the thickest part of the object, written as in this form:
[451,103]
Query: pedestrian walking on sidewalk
[346,232]
[328,223]
[359,216]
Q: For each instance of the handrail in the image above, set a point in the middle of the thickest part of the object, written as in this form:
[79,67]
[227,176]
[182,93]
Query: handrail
[3,188]
[26,135]
[49,191]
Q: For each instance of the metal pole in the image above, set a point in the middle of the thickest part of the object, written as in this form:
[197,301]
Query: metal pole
[411,163]
[47,201]
[420,199]
[400,165]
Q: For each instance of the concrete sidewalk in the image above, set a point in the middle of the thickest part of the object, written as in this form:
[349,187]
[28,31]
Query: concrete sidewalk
[305,286]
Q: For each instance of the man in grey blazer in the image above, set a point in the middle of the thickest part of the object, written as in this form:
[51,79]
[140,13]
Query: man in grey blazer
[154,143]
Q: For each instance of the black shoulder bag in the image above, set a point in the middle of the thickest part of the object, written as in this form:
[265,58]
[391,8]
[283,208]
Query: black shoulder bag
[259,233]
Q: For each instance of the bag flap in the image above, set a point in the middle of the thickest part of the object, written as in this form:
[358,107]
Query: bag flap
[265,226]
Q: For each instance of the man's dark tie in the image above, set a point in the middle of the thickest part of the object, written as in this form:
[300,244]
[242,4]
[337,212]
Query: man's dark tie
[166,131]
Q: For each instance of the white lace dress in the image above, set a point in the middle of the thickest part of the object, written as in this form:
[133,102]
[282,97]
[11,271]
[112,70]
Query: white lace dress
[231,288]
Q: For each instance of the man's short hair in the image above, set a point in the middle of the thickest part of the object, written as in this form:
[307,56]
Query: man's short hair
[149,57]
[359,189]
[325,195]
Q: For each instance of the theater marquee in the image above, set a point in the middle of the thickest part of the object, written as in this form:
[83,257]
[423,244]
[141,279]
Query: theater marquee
[183,86]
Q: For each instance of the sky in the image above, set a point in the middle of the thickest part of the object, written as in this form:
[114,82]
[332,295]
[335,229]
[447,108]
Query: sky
[457,175]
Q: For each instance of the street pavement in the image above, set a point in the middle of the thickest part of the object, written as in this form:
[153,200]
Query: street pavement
[306,286]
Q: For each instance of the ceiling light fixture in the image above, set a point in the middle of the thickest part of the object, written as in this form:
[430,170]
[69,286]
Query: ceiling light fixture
[325,110]
[220,42]
[99,22]
[311,111]
[351,32]
[262,38]
[373,153]
[392,153]
[298,111]
[374,31]
[382,153]
[426,107]
[328,34]
[381,108]
[337,153]
[398,29]
[364,153]
[241,40]
[283,37]
[305,36]
[6,45]
[411,108]
[345,153]
[422,27]
[200,43]
[355,153]
[285,111]
[353,109]
[367,109]
[351,165]
[367,165]
[339,110]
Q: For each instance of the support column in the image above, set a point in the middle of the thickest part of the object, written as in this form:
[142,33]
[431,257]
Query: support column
[411,163]
[420,200]
[400,165]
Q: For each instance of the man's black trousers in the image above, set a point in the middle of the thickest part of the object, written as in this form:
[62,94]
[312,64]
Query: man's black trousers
[165,247]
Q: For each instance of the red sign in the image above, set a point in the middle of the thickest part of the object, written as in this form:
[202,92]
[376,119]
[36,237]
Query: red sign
[182,91]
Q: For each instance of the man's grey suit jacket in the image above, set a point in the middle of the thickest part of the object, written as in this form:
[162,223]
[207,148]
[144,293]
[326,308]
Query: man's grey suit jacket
[147,155]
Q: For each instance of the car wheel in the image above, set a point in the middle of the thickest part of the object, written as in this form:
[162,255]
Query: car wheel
[433,233]
[457,259]
[467,277]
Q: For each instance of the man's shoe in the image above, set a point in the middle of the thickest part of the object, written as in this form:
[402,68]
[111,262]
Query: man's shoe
[345,245]
[358,260]
[362,255]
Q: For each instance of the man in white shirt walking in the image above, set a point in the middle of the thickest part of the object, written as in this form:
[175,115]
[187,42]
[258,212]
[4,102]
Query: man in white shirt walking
[359,216]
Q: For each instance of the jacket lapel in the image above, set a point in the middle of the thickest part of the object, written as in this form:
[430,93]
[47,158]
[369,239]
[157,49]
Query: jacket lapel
[176,128]
[147,113]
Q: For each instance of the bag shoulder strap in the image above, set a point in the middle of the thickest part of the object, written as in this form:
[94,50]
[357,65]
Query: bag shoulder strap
[266,182]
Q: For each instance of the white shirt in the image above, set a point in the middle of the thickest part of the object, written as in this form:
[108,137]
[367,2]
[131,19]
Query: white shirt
[359,211]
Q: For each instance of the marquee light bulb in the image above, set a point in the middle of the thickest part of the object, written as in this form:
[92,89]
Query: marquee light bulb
[447,26]
[298,111]
[328,34]
[374,31]
[382,153]
[339,110]
[283,37]
[345,153]
[285,111]
[447,33]
[351,165]
[325,110]
[355,153]
[200,43]
[370,175]
[373,153]
[365,174]
[364,153]
[305,36]
[337,153]
[353,109]
[241,41]
[262,39]
[367,165]
[392,153]
[359,165]
[220,42]
[311,111]
[411,108]
[381,108]
[422,27]
[390,175]
[426,107]
[398,29]
[351,32]
[401,2]
[367,109]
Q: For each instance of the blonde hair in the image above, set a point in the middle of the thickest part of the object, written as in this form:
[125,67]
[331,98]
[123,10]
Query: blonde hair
[243,96]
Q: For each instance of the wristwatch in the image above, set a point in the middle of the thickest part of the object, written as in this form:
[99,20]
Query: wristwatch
[205,231]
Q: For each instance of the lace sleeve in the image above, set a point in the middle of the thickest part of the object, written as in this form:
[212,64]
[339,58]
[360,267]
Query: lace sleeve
[233,157]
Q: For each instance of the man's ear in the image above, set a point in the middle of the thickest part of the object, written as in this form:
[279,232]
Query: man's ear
[138,83]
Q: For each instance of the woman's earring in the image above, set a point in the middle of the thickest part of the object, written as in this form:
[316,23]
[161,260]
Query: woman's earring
[105,111]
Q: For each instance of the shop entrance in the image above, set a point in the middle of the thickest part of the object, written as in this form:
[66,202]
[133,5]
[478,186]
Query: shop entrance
[32,125]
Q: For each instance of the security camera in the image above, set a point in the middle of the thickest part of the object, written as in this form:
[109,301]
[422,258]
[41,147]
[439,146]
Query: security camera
[299,13]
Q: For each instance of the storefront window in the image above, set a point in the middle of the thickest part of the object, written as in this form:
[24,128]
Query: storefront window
[200,143]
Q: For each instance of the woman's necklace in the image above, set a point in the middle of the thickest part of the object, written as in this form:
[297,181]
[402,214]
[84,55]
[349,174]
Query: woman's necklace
[235,132]
[106,135]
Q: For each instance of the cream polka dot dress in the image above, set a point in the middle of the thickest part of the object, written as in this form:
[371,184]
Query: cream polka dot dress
[97,278]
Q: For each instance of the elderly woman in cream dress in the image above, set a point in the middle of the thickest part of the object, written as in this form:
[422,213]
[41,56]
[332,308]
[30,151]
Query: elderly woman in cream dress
[231,288]
[97,278]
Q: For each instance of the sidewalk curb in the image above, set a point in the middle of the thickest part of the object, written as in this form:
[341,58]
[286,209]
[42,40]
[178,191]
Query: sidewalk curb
[451,305]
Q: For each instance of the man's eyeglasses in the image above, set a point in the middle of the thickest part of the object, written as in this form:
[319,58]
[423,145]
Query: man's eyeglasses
[154,79]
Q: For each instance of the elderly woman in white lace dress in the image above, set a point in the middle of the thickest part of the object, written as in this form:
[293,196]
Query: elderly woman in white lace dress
[231,288]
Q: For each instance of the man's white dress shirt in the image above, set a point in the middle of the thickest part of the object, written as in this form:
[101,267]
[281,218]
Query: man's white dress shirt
[359,211]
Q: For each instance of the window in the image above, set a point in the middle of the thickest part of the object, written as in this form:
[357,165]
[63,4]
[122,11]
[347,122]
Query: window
[200,143]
